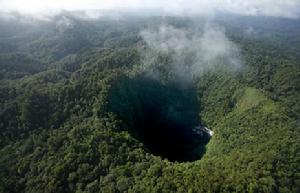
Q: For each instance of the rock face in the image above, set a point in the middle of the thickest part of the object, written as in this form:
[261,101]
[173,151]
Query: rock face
[202,131]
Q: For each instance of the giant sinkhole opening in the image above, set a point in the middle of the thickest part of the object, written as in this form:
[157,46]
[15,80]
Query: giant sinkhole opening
[163,116]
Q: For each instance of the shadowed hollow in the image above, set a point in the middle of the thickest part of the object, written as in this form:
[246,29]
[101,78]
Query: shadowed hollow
[163,116]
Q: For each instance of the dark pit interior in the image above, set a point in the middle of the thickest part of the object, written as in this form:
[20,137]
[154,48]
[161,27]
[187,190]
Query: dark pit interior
[162,116]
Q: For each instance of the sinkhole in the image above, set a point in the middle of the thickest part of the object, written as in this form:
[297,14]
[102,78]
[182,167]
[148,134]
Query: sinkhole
[164,117]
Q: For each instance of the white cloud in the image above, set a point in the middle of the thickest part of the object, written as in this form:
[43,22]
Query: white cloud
[188,54]
[277,8]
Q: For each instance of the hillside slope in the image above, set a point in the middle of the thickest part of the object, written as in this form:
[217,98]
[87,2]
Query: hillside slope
[72,123]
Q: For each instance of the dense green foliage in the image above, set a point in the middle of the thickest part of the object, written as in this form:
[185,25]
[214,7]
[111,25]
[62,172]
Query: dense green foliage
[71,104]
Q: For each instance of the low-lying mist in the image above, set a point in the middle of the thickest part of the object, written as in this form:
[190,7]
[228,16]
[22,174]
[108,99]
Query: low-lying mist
[184,54]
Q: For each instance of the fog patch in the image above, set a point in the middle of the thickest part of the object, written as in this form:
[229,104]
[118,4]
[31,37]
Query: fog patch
[250,31]
[182,54]
[49,16]
[64,23]
[275,8]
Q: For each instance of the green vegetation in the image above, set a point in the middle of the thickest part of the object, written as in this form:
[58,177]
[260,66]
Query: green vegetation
[71,120]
